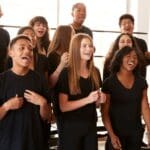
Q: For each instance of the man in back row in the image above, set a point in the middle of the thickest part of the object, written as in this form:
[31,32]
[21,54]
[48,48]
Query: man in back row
[79,15]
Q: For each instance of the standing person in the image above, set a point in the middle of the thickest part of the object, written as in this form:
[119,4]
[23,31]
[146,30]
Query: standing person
[41,28]
[4,42]
[23,102]
[78,91]
[126,24]
[124,39]
[58,60]
[126,101]
[79,15]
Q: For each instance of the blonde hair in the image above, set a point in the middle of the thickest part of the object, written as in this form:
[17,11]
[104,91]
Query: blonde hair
[74,65]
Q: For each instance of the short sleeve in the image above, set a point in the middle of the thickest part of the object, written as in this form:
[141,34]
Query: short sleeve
[106,86]
[63,84]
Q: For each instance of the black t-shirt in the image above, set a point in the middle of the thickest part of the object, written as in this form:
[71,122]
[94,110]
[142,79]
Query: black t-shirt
[86,113]
[125,104]
[4,41]
[53,62]
[22,129]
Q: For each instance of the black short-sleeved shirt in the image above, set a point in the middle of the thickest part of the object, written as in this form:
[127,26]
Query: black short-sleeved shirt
[125,104]
[86,113]
[53,62]
[4,41]
[22,129]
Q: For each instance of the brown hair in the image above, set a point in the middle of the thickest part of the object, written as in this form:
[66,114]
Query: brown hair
[74,65]
[61,39]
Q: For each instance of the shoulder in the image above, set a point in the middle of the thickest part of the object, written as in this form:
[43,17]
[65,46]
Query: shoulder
[4,75]
[4,33]
[42,57]
[64,72]
[110,79]
[87,30]
[53,55]
[140,40]
[141,81]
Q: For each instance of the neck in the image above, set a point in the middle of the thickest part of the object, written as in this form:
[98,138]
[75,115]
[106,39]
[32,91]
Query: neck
[125,73]
[20,71]
[76,25]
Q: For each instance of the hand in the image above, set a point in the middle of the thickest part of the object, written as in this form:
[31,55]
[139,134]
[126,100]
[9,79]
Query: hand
[34,98]
[64,59]
[115,142]
[14,103]
[93,97]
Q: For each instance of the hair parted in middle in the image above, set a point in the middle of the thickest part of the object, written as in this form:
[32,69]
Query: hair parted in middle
[74,64]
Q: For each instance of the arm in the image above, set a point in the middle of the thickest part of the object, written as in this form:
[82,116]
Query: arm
[68,105]
[107,123]
[12,104]
[53,78]
[36,99]
[146,109]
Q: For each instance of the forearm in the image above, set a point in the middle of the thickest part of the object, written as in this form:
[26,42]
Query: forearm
[53,78]
[3,111]
[146,116]
[45,112]
[108,126]
[73,105]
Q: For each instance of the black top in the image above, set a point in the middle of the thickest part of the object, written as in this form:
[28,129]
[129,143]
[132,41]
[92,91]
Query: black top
[125,104]
[84,29]
[143,47]
[4,41]
[53,62]
[86,113]
[22,129]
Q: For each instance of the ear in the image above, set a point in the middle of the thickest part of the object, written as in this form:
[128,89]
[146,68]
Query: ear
[10,52]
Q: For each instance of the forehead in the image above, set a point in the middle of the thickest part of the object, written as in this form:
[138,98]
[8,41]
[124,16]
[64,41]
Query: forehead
[79,6]
[125,37]
[126,20]
[22,42]
[28,31]
[86,40]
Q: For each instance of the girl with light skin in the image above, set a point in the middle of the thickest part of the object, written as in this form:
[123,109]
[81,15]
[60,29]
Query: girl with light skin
[78,91]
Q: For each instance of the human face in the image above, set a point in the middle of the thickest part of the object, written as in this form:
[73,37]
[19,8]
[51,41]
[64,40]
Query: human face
[40,29]
[21,53]
[126,26]
[86,49]
[130,61]
[79,14]
[31,35]
[125,40]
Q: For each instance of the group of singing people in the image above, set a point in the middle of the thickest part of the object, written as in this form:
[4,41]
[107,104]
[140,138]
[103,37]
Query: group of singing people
[43,79]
